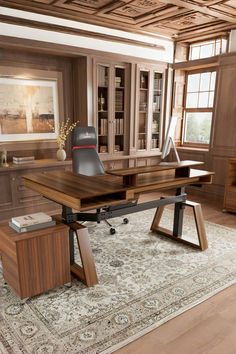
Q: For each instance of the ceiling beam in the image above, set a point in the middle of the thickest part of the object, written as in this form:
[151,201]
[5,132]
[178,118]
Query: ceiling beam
[202,9]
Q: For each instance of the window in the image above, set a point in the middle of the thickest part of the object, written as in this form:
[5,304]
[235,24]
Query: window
[207,49]
[198,110]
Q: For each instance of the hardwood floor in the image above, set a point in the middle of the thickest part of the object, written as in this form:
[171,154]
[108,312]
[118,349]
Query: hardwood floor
[208,328]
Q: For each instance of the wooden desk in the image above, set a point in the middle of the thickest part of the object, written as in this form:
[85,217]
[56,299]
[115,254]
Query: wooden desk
[81,192]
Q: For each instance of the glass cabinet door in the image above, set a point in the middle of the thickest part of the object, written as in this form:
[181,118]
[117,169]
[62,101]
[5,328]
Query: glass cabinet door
[156,109]
[119,111]
[103,107]
[143,109]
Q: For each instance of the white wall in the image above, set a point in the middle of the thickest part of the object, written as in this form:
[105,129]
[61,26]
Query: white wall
[164,53]
[232,41]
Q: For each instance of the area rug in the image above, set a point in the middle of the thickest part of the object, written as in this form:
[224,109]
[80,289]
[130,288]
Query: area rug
[144,281]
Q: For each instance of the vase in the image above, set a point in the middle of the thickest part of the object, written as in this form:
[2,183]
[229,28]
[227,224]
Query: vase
[61,154]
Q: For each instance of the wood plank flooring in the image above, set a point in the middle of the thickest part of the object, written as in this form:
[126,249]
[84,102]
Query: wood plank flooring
[208,328]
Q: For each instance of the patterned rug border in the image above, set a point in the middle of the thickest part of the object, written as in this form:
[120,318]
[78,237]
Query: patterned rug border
[164,320]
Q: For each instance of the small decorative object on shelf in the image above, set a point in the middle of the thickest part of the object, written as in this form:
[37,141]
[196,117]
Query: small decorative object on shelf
[103,148]
[61,155]
[4,158]
[101,102]
[63,130]
[143,82]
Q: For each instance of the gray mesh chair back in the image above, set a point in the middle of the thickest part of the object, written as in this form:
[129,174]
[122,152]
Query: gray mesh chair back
[86,160]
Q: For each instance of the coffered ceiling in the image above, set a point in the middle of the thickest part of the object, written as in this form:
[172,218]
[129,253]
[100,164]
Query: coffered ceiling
[183,20]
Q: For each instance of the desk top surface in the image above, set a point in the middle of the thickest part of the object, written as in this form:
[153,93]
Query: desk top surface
[149,169]
[80,191]
[78,185]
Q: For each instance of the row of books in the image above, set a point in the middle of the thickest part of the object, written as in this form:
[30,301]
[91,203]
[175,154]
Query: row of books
[31,222]
[157,84]
[117,81]
[102,129]
[141,144]
[155,143]
[119,126]
[157,103]
[119,100]
[23,160]
[102,76]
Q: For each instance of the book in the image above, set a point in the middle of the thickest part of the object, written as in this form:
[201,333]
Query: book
[22,162]
[32,227]
[31,219]
[23,158]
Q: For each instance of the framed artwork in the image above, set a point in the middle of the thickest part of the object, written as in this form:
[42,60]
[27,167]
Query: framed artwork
[28,109]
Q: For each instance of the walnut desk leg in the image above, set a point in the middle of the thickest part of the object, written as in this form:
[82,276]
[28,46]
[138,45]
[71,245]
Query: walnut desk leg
[87,273]
[177,229]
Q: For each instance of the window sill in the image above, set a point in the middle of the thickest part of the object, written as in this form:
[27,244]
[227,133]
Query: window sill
[191,148]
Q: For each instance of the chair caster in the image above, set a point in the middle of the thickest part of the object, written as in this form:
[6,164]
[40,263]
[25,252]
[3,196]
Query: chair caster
[125,221]
[112,231]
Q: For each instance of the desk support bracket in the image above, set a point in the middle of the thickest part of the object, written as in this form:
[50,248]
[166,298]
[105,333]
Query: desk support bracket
[110,213]
[178,222]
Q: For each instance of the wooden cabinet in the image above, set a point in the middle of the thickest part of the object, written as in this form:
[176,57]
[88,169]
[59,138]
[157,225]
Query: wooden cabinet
[37,261]
[149,112]
[15,199]
[230,187]
[111,108]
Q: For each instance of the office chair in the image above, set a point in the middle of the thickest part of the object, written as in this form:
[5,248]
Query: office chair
[86,160]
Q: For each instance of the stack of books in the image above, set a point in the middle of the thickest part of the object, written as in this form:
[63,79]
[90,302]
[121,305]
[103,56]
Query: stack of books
[117,81]
[31,222]
[23,160]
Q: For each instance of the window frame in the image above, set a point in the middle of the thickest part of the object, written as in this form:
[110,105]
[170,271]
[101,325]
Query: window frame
[213,41]
[203,109]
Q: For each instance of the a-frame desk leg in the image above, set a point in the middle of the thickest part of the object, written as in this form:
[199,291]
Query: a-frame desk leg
[177,228]
[87,273]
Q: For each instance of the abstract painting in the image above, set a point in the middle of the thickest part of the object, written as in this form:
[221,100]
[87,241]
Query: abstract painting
[28,109]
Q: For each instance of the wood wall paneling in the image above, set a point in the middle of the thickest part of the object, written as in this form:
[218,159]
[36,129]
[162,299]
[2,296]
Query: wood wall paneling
[39,66]
[16,199]
[225,110]
[6,199]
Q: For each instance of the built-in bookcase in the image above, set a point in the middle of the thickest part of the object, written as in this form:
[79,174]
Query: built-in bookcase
[119,108]
[156,109]
[102,107]
[111,108]
[144,84]
[149,109]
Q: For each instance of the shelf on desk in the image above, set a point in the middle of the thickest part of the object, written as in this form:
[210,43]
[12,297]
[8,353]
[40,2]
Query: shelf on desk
[168,179]
[98,202]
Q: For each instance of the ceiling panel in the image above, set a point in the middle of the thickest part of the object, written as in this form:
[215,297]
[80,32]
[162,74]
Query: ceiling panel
[176,18]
